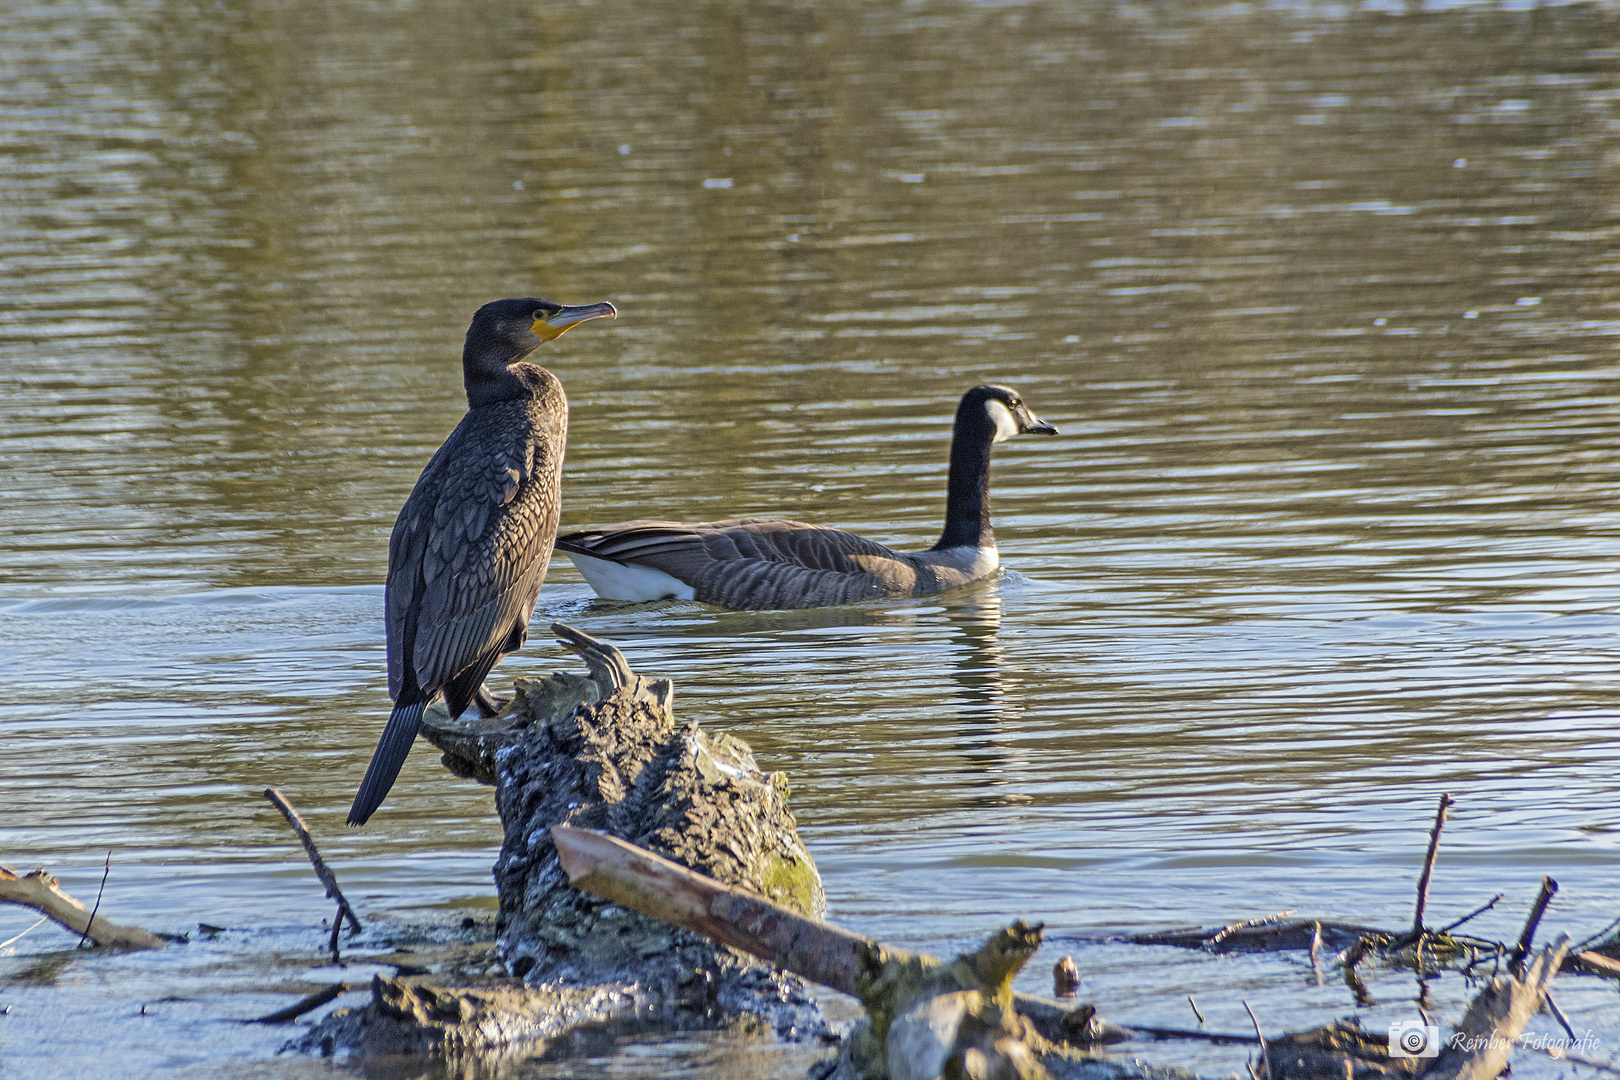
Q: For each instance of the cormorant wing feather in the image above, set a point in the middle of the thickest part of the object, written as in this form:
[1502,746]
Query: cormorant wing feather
[470,550]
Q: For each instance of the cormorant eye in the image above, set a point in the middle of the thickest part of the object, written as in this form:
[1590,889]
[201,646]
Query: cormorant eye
[540,315]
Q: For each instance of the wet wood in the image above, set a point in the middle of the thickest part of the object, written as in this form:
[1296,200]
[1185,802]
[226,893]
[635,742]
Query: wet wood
[1263,935]
[1428,866]
[1593,963]
[322,871]
[1483,1039]
[1549,889]
[303,1005]
[642,881]
[40,891]
[1248,924]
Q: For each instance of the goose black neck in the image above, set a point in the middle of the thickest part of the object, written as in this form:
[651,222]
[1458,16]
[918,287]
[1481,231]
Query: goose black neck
[967,494]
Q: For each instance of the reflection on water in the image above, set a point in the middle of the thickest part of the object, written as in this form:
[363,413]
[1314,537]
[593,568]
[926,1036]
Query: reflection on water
[988,702]
[1321,296]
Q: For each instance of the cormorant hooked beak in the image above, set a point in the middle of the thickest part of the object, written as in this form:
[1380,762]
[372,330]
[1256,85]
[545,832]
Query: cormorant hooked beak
[558,322]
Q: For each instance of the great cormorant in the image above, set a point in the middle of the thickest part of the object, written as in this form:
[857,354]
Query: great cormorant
[471,545]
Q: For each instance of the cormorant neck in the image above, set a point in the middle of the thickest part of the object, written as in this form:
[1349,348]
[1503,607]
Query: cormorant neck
[488,375]
[967,494]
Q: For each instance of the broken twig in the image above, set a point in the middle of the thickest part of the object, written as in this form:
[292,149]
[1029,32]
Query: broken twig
[322,871]
[1585,943]
[1549,888]
[1482,909]
[91,921]
[1194,1005]
[1558,1014]
[1428,866]
[1265,1056]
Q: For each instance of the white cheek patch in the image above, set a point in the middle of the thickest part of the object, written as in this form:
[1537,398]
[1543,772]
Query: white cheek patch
[1002,417]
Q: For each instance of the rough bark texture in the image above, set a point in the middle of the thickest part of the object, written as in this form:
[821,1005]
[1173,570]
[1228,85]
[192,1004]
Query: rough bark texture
[623,766]
[604,753]
[419,1018]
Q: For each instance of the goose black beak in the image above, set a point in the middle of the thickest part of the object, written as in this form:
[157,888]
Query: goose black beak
[1040,427]
[564,318]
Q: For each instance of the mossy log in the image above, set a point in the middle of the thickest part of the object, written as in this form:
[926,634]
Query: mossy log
[605,751]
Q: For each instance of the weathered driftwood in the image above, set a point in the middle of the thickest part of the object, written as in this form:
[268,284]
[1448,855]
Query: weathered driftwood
[605,752]
[1592,962]
[924,1015]
[655,886]
[819,951]
[40,891]
[1483,1039]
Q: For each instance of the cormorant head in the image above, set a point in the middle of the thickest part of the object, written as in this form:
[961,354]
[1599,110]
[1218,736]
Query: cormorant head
[508,330]
[1005,410]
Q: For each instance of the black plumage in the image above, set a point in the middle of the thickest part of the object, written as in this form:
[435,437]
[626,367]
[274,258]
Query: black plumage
[471,545]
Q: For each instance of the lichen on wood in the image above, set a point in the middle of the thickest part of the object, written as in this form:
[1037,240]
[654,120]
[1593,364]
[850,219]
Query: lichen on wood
[606,752]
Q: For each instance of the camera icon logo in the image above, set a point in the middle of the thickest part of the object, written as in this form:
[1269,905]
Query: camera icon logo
[1413,1038]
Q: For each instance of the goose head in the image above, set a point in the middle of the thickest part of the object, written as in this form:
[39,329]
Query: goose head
[999,411]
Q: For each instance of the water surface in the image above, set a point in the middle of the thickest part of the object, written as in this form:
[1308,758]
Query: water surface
[1321,296]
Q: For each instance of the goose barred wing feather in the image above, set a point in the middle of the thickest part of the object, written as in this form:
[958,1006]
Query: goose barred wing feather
[471,547]
[756,563]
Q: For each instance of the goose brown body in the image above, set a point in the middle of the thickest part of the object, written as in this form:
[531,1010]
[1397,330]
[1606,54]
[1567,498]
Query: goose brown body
[770,563]
[472,543]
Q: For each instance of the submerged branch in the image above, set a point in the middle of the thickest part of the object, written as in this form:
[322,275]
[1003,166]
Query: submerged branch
[322,871]
[302,1006]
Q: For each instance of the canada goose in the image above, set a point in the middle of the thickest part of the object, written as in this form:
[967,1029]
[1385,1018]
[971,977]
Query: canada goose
[471,545]
[761,563]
